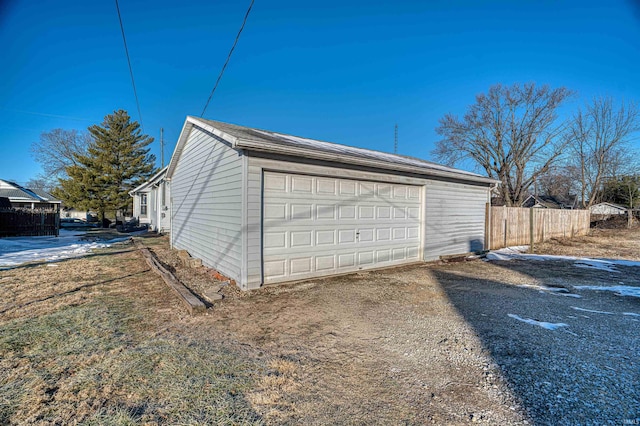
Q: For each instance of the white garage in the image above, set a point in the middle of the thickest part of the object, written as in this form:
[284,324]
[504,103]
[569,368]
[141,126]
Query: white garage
[264,207]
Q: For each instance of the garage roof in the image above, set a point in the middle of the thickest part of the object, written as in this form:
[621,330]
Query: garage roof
[251,139]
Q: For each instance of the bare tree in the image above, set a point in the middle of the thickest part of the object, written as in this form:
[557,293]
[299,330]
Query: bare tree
[55,151]
[512,133]
[559,183]
[599,143]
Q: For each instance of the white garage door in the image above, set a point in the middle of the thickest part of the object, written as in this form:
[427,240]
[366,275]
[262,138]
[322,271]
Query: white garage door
[314,226]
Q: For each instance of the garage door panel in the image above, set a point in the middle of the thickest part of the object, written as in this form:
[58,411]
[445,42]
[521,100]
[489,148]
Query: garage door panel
[365,258]
[347,212]
[300,265]
[301,184]
[275,211]
[366,212]
[347,260]
[365,235]
[325,263]
[316,226]
[326,186]
[275,269]
[325,211]
[275,240]
[300,239]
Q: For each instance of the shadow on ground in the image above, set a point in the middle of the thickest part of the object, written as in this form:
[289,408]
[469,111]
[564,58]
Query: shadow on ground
[584,372]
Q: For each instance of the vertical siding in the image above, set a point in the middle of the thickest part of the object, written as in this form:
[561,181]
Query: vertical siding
[206,192]
[454,219]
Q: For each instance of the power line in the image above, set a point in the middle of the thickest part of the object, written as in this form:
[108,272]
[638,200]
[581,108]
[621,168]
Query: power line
[126,50]
[228,58]
[395,140]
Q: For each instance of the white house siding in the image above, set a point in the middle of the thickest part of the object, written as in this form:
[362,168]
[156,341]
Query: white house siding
[206,192]
[454,218]
[607,209]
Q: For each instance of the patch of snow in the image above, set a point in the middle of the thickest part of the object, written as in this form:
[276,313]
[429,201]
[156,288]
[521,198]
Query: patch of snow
[516,253]
[556,291]
[591,310]
[620,290]
[545,325]
[15,251]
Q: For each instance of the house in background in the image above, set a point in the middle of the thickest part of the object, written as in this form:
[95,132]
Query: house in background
[151,202]
[606,210]
[264,207]
[71,212]
[548,202]
[33,199]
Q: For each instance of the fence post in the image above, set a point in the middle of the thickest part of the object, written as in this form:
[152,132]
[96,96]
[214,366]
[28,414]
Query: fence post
[506,224]
[532,238]
[487,226]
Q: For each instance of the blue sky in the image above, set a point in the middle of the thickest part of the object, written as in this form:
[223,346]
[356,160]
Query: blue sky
[342,71]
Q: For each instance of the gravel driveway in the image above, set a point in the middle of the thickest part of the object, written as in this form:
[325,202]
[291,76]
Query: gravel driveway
[501,342]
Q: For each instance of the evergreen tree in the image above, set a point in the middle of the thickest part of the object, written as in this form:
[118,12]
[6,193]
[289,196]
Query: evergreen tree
[624,190]
[117,160]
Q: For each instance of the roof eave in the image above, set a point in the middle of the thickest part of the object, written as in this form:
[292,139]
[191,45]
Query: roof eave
[152,181]
[347,159]
[184,135]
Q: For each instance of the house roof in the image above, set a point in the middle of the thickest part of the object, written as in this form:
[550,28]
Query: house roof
[17,193]
[45,195]
[545,201]
[246,138]
[152,181]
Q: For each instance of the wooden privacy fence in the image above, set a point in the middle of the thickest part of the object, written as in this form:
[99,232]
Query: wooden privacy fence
[18,223]
[513,226]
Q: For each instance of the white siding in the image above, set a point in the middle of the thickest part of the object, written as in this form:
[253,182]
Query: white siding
[606,209]
[206,193]
[454,219]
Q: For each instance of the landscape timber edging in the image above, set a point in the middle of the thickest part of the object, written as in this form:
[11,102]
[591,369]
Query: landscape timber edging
[193,304]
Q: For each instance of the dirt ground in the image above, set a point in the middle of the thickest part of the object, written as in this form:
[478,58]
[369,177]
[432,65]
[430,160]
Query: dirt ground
[428,344]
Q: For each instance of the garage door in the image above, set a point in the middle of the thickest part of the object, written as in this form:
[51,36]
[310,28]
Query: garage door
[315,226]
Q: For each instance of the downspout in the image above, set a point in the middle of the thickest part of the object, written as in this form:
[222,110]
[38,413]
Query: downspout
[493,187]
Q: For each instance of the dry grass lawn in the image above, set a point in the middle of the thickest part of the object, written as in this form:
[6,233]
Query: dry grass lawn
[102,340]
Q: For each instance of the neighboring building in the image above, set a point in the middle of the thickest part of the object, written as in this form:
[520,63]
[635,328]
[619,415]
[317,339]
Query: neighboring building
[264,207]
[151,202]
[547,202]
[86,215]
[21,197]
[607,209]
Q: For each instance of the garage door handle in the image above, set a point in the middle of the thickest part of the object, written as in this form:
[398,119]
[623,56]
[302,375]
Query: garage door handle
[358,235]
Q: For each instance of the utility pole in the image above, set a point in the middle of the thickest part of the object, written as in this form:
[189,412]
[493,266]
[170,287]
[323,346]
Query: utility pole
[395,143]
[161,147]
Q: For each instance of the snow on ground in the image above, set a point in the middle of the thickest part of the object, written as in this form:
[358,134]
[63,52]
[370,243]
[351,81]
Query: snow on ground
[620,290]
[16,251]
[545,325]
[592,311]
[516,253]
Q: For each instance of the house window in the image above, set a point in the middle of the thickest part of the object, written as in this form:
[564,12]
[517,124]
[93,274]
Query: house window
[143,204]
